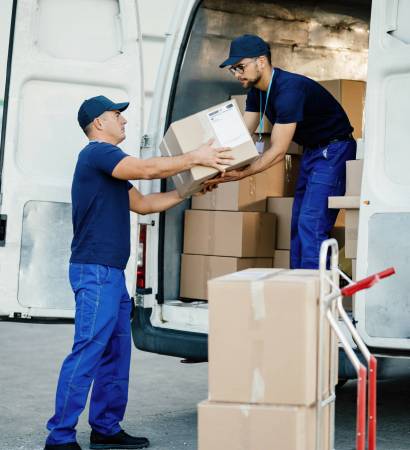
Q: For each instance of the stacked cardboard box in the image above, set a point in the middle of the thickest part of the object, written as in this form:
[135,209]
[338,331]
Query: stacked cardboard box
[263,364]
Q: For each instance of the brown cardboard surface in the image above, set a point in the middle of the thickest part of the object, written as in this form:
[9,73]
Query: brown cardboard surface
[282,208]
[267,353]
[345,202]
[351,95]
[354,173]
[227,233]
[352,224]
[248,194]
[190,133]
[241,101]
[227,426]
[281,259]
[196,270]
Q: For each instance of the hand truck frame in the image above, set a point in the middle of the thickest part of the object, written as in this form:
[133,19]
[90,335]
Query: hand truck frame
[331,309]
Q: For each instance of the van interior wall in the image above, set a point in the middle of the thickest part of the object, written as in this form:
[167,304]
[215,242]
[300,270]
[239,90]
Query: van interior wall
[320,39]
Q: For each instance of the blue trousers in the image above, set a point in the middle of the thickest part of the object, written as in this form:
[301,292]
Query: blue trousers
[100,354]
[322,174]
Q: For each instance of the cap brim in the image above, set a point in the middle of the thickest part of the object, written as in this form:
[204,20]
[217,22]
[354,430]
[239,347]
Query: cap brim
[230,61]
[120,106]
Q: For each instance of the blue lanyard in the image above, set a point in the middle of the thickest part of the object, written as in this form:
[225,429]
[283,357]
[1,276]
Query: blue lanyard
[261,115]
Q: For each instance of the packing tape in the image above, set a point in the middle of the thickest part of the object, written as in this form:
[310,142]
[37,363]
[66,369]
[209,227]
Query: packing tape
[211,232]
[208,272]
[252,186]
[258,299]
[245,427]
[212,195]
[258,386]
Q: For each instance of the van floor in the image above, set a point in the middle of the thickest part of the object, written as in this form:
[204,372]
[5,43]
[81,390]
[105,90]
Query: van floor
[187,316]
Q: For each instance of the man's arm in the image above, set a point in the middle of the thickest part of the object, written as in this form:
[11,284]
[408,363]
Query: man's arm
[152,203]
[251,121]
[131,168]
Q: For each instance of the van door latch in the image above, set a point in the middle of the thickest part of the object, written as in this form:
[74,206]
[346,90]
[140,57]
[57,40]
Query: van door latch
[3,225]
[146,141]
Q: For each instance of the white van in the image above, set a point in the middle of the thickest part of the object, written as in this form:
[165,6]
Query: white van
[62,51]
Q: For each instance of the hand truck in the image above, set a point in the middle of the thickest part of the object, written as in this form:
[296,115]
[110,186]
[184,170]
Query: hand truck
[331,309]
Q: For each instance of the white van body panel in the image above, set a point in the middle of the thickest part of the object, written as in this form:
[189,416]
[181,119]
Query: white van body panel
[384,227]
[60,57]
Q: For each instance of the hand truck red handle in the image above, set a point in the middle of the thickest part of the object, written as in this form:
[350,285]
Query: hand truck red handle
[367,282]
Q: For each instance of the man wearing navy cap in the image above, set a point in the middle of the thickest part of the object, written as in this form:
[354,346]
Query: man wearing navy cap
[102,199]
[301,110]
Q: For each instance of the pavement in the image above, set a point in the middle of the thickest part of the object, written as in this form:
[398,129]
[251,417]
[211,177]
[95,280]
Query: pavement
[163,395]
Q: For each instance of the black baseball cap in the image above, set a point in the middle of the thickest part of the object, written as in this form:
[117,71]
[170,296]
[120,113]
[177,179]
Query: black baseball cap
[95,106]
[246,46]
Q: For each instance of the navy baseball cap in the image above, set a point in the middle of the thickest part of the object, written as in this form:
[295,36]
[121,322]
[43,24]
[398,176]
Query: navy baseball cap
[246,46]
[95,106]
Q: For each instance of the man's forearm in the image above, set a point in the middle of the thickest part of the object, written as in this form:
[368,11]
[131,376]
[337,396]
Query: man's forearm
[158,202]
[267,159]
[166,166]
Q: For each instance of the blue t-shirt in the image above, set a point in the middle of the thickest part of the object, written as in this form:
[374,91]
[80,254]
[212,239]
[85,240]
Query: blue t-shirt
[101,211]
[296,98]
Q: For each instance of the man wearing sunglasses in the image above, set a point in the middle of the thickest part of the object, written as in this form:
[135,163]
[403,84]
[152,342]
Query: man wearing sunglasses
[301,110]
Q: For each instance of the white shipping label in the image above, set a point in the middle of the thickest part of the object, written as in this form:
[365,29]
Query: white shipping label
[228,126]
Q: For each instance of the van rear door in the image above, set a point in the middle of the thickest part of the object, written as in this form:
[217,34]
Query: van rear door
[384,226]
[62,52]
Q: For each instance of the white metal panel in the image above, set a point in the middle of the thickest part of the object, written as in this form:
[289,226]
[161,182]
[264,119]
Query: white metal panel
[156,17]
[386,185]
[55,67]
[182,10]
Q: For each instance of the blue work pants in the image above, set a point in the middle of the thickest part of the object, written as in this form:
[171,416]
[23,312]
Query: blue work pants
[322,174]
[100,354]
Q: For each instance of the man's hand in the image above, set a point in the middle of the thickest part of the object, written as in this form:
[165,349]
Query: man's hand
[226,177]
[208,156]
[206,189]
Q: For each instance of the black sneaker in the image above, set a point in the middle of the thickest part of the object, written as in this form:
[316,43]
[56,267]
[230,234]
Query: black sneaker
[116,441]
[68,446]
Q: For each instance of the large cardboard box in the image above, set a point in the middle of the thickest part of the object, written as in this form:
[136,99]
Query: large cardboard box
[352,225]
[241,101]
[354,173]
[196,270]
[282,208]
[281,259]
[248,194]
[268,352]
[225,124]
[228,426]
[227,233]
[351,95]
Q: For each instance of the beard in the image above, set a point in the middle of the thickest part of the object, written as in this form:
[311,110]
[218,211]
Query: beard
[251,82]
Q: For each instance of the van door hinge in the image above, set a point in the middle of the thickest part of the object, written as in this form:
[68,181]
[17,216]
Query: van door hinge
[146,141]
[3,226]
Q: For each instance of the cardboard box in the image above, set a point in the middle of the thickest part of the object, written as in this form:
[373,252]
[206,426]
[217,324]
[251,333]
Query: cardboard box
[346,202]
[281,259]
[354,262]
[227,426]
[354,174]
[267,353]
[225,124]
[351,95]
[241,101]
[248,194]
[227,233]
[196,270]
[352,225]
[282,208]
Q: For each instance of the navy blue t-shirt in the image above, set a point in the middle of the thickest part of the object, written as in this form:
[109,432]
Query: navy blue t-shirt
[296,98]
[101,211]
